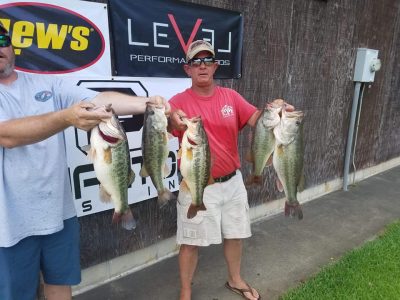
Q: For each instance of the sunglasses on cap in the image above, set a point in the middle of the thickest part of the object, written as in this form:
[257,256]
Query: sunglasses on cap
[196,62]
[5,40]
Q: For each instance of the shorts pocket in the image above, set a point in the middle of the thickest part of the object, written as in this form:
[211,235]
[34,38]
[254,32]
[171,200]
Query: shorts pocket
[192,228]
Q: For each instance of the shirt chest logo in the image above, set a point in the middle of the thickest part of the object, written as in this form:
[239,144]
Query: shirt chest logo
[227,111]
[43,96]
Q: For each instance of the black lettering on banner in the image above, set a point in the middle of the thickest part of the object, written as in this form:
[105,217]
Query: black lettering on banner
[153,38]
[171,184]
[87,205]
[173,165]
[87,182]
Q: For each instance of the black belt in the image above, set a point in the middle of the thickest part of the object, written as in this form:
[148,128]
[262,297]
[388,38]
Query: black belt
[225,178]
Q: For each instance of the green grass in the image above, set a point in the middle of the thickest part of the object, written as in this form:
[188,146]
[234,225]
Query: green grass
[370,272]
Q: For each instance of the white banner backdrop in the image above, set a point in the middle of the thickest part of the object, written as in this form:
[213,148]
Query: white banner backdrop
[83,178]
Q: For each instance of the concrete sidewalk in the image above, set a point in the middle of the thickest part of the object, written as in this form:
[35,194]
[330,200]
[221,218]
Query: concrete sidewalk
[282,252]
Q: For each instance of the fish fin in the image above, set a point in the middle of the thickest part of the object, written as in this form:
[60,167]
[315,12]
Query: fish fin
[126,219]
[189,153]
[193,209]
[164,197]
[180,153]
[143,172]
[165,138]
[116,217]
[279,149]
[184,187]
[293,210]
[108,156]
[279,185]
[86,148]
[210,180]
[104,195]
[131,178]
[253,179]
[91,152]
[301,185]
[269,161]
[202,207]
[166,170]
[249,156]
[249,181]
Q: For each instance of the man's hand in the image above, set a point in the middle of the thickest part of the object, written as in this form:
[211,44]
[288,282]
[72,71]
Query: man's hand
[159,100]
[176,120]
[84,115]
[283,103]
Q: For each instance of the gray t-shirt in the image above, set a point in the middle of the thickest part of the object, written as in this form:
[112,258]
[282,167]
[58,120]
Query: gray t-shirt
[35,192]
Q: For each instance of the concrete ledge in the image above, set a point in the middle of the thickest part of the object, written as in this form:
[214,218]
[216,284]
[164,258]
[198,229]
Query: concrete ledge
[121,266]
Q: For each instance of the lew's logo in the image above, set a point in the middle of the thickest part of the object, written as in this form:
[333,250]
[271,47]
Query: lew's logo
[51,39]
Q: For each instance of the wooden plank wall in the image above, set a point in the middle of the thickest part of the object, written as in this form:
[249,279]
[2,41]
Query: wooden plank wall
[302,51]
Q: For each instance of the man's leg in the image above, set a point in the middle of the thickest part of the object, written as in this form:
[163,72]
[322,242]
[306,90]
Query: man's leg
[60,261]
[57,292]
[19,269]
[188,256]
[233,257]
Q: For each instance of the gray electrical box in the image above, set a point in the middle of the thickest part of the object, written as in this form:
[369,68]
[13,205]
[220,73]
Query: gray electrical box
[367,63]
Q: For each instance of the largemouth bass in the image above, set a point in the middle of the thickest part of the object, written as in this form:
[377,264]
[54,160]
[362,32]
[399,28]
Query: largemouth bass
[263,140]
[155,150]
[288,159]
[195,164]
[109,152]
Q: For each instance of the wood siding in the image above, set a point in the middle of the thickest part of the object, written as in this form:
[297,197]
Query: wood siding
[303,51]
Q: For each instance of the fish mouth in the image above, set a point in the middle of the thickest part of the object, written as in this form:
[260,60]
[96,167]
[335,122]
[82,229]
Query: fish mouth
[110,130]
[108,138]
[191,142]
[294,114]
[193,126]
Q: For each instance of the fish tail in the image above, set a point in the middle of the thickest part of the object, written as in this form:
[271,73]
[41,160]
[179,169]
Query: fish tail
[126,219]
[193,209]
[253,179]
[293,210]
[164,196]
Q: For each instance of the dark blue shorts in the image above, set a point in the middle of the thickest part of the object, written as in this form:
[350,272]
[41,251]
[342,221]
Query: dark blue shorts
[55,255]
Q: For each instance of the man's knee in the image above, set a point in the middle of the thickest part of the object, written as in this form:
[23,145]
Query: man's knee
[57,292]
[188,248]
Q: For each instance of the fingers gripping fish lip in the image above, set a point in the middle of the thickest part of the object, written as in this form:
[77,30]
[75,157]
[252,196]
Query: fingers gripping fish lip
[156,105]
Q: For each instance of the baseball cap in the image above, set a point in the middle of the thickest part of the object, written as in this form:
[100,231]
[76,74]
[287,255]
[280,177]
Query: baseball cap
[198,46]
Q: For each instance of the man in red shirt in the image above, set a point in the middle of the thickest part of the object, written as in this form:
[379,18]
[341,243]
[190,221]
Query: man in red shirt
[224,113]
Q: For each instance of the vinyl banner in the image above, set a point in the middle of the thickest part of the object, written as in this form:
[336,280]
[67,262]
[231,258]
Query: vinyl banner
[59,37]
[151,37]
[85,186]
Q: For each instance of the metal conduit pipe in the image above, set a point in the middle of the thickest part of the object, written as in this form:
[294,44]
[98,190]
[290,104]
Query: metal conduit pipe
[350,135]
[367,63]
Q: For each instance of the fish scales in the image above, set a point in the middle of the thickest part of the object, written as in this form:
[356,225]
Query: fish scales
[109,152]
[288,159]
[263,141]
[195,163]
[155,150]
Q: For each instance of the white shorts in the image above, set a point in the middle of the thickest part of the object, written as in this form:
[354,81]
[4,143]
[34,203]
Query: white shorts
[227,214]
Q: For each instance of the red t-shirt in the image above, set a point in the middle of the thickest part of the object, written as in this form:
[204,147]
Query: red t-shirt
[224,114]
